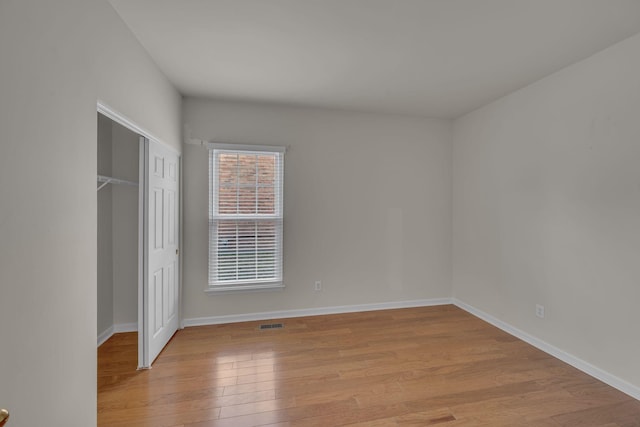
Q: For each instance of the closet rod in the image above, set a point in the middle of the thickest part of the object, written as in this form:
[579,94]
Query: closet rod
[110,180]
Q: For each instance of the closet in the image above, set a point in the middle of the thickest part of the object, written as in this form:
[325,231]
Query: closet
[117,201]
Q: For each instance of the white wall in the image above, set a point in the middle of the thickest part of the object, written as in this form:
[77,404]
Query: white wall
[105,229]
[125,226]
[367,206]
[547,205]
[58,59]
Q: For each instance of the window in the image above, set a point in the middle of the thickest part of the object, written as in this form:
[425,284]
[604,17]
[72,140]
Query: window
[245,217]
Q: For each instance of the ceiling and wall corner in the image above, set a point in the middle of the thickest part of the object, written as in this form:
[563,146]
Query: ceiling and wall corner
[431,58]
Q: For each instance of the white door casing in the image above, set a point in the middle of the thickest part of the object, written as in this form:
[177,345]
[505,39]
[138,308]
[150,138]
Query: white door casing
[161,242]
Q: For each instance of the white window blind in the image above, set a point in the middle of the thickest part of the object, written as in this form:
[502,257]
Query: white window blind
[245,218]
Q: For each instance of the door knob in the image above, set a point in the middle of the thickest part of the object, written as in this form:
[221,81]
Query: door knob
[4,416]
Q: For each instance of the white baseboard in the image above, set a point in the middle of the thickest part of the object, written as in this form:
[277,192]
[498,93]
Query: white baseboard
[105,335]
[125,327]
[284,314]
[116,329]
[570,359]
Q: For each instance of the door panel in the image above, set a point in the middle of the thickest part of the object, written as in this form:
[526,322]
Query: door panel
[158,220]
[171,283]
[171,216]
[160,288]
[156,298]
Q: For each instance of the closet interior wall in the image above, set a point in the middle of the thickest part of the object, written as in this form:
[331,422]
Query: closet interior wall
[117,272]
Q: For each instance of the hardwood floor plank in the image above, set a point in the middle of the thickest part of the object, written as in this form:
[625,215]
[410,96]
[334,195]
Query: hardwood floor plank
[423,418]
[419,366]
[625,414]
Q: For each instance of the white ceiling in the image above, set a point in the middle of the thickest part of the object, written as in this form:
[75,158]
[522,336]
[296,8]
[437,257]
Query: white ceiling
[436,58]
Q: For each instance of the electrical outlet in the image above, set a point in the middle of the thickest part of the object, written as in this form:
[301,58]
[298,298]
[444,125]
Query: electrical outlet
[318,286]
[540,311]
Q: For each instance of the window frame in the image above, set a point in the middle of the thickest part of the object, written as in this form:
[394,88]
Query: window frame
[243,285]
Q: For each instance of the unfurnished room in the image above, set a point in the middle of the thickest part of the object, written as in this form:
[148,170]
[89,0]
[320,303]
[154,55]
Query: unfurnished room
[319,213]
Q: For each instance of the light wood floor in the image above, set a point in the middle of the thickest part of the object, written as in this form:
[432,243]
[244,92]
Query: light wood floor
[420,366]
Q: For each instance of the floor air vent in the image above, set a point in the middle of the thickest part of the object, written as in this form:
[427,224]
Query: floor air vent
[272,326]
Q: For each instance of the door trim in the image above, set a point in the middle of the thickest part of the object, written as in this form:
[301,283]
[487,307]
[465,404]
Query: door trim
[143,350]
[121,119]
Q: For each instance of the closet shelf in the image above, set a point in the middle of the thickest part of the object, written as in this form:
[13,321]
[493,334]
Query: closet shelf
[110,180]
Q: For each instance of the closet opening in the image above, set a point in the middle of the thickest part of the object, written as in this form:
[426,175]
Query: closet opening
[138,239]
[118,257]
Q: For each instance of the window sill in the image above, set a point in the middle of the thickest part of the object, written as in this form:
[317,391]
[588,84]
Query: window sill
[237,289]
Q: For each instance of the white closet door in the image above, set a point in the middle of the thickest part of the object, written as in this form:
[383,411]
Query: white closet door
[161,275]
